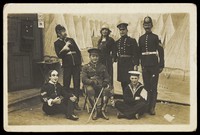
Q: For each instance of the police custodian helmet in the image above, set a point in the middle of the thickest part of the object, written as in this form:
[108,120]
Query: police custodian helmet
[147,20]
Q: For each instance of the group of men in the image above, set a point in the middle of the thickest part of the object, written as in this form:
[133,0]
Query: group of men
[97,81]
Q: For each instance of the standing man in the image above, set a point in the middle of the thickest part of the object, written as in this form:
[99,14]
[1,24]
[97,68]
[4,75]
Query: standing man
[127,55]
[152,62]
[68,51]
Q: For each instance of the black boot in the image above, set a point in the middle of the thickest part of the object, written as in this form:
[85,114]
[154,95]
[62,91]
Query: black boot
[137,116]
[72,117]
[120,116]
[152,111]
[77,107]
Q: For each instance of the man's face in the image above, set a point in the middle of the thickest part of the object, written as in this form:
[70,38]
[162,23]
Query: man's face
[54,76]
[147,27]
[62,34]
[134,79]
[94,58]
[123,32]
[104,32]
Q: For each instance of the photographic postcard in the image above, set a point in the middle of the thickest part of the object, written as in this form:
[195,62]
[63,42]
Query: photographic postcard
[29,36]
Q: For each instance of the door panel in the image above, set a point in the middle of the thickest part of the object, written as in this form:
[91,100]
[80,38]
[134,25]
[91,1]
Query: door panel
[20,74]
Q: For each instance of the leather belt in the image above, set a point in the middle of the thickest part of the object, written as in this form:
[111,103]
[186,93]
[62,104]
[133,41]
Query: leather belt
[125,56]
[149,53]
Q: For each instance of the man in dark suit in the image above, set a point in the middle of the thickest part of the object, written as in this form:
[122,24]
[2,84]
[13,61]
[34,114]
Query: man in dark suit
[152,62]
[68,51]
[127,55]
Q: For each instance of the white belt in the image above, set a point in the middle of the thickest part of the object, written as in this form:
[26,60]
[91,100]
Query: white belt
[71,52]
[149,53]
[124,55]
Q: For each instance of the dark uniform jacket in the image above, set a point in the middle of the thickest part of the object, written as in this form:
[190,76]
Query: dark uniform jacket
[127,57]
[94,72]
[149,43]
[68,59]
[130,95]
[50,91]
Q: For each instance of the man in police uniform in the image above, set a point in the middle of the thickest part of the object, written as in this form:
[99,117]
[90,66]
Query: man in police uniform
[68,51]
[152,62]
[94,77]
[127,55]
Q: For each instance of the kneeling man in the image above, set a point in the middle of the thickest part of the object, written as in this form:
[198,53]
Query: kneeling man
[135,99]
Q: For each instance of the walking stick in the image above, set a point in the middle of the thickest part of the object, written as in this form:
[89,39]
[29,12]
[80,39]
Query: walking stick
[95,105]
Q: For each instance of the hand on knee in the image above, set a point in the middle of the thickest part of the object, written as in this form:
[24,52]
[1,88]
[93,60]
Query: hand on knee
[90,91]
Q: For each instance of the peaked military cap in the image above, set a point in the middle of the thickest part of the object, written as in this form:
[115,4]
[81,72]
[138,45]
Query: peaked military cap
[59,27]
[122,26]
[134,73]
[94,51]
[147,20]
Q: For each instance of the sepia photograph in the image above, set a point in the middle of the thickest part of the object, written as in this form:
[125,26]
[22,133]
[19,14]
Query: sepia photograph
[100,67]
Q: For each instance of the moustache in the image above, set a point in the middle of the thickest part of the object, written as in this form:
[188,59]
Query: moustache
[147,27]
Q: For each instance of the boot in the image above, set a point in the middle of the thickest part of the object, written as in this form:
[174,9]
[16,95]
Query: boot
[103,112]
[120,116]
[94,116]
[77,107]
[152,111]
[104,115]
[137,116]
[72,117]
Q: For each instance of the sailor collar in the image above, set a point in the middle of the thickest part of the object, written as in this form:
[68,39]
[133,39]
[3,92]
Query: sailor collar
[135,89]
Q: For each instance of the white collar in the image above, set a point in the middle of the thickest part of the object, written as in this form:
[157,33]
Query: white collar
[103,39]
[52,82]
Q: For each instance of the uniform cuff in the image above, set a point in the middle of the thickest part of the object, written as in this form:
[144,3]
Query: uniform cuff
[137,98]
[50,102]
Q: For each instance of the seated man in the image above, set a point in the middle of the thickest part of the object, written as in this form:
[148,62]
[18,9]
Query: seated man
[56,99]
[135,99]
[94,77]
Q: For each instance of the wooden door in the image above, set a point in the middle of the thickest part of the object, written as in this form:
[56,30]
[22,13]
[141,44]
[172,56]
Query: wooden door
[23,50]
[20,73]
